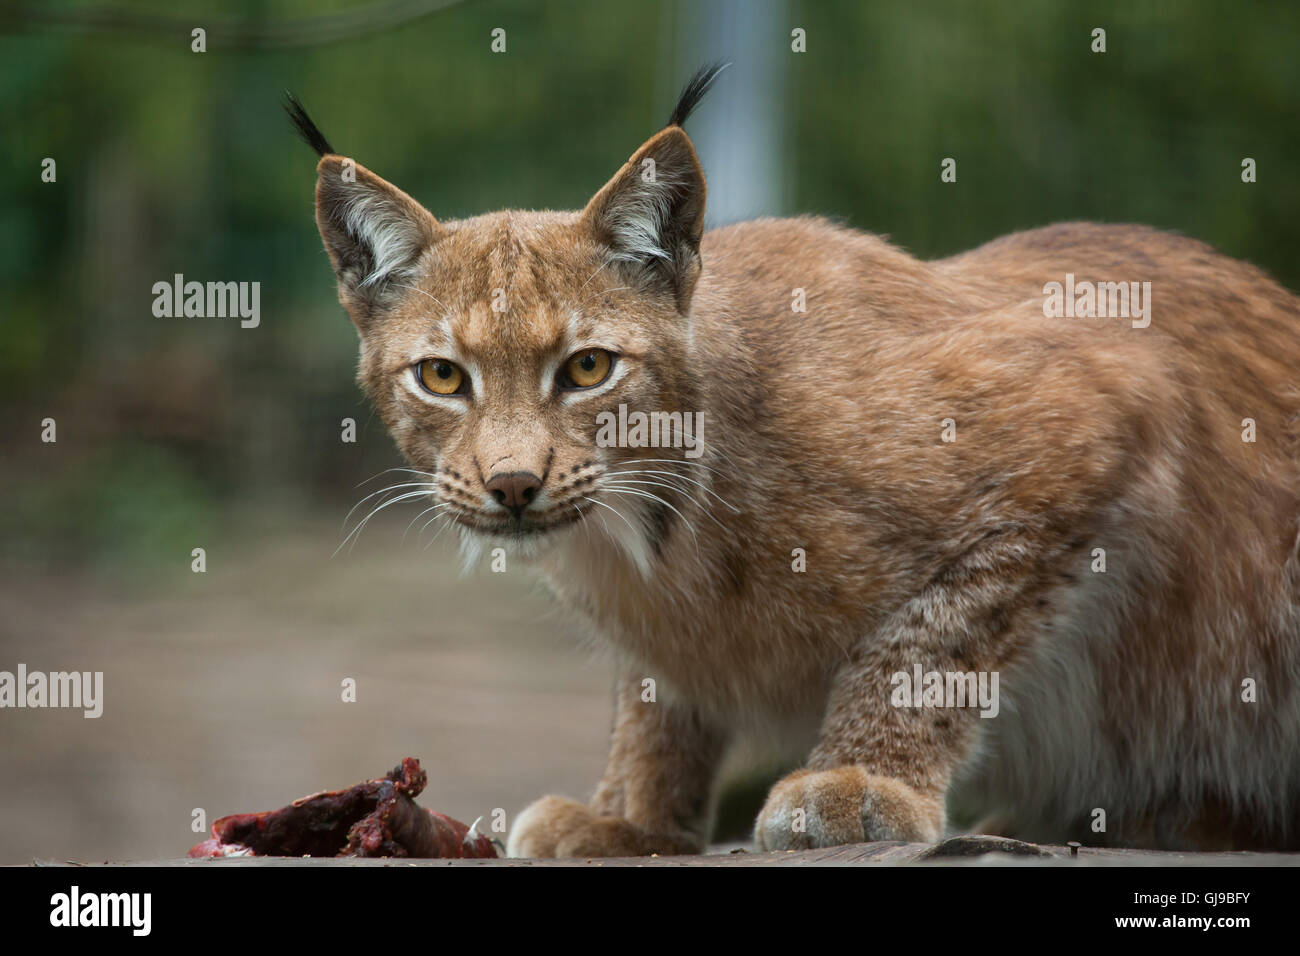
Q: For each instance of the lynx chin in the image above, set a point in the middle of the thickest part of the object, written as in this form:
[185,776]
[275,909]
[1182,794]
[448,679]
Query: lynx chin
[1120,690]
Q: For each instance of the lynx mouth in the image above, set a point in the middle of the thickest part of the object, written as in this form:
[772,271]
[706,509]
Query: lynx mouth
[526,526]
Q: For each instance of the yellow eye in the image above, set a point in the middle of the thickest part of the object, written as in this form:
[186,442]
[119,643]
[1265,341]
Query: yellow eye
[586,369]
[440,376]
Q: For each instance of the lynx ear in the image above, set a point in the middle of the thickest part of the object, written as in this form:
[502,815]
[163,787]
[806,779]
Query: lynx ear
[374,233]
[652,212]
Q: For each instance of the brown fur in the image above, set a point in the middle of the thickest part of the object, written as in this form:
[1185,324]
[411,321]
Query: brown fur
[1121,691]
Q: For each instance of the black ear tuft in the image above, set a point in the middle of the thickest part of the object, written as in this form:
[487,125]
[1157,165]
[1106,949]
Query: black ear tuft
[312,136]
[694,91]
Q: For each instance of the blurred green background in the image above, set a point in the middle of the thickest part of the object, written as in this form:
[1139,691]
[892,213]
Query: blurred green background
[171,161]
[175,433]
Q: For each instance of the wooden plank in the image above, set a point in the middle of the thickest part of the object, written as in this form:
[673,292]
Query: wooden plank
[958,851]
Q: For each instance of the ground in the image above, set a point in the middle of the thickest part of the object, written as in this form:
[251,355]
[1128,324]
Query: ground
[223,693]
[223,689]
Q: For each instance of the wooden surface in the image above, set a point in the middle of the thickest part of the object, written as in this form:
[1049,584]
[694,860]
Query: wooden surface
[222,693]
[958,851]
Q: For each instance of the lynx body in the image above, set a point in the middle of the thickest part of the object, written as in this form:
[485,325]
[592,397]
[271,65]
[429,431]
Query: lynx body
[903,465]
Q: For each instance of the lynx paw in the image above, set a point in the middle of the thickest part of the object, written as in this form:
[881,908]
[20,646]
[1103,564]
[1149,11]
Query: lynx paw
[846,805]
[559,827]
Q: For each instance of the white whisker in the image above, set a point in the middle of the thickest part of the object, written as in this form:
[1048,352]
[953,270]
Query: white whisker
[704,509]
[422,292]
[653,497]
[355,532]
[676,477]
[596,273]
[409,484]
[437,507]
[635,530]
[414,471]
[446,523]
[668,461]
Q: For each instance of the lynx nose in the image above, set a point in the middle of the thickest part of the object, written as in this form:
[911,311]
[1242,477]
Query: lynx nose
[514,490]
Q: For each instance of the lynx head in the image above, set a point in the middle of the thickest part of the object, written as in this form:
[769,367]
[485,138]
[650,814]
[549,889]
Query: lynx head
[491,345]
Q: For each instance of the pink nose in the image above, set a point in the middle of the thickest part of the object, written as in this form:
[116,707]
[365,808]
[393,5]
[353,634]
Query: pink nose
[514,490]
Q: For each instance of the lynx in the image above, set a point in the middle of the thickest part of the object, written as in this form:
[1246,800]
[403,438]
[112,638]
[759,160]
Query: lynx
[920,471]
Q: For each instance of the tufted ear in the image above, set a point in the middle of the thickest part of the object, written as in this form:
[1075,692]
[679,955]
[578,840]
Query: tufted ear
[374,233]
[651,213]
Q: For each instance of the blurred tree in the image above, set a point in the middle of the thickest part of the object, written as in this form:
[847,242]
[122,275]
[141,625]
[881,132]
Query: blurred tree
[170,161]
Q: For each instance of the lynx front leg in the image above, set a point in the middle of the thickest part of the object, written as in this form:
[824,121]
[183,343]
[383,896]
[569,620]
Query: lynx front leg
[878,773]
[882,766]
[654,797]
